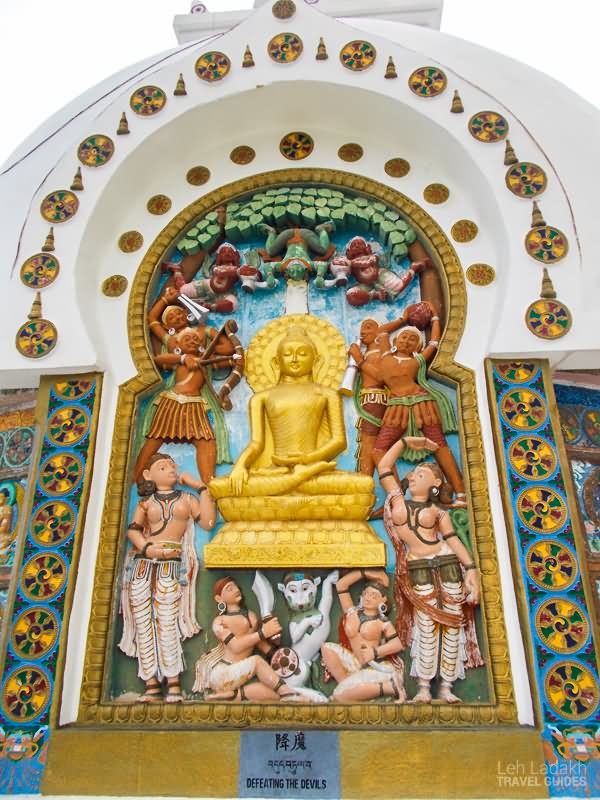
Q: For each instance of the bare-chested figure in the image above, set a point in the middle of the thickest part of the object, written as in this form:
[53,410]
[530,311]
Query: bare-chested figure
[365,666]
[437,581]
[232,671]
[159,590]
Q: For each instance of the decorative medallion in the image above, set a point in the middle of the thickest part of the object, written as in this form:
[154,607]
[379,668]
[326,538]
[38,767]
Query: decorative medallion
[427,81]
[523,409]
[130,241]
[114,286]
[147,101]
[95,151]
[541,509]
[358,55]
[68,425]
[551,565]
[351,152]
[526,180]
[26,694]
[562,625]
[59,206]
[242,155]
[159,204]
[284,9]
[488,126]
[571,690]
[532,458]
[481,274]
[52,523]
[546,244]
[285,48]
[37,338]
[197,176]
[43,576]
[60,474]
[18,447]
[212,66]
[296,146]
[397,167]
[34,632]
[436,193]
[517,371]
[285,662]
[569,425]
[465,230]
[39,271]
[548,319]
[72,390]
[591,495]
[591,426]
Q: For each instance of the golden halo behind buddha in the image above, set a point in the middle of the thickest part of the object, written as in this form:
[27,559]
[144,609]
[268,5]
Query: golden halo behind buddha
[261,372]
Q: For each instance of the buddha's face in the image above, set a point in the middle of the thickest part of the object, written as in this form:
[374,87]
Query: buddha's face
[296,358]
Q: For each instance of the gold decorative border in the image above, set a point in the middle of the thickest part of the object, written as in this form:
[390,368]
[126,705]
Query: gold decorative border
[93,709]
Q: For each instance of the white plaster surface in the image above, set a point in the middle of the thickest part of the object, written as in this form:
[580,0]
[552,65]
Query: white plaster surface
[550,126]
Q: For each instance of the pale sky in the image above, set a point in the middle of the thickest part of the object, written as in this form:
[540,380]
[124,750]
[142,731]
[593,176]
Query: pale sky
[52,51]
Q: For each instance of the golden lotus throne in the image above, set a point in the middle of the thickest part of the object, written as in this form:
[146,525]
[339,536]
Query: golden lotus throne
[285,504]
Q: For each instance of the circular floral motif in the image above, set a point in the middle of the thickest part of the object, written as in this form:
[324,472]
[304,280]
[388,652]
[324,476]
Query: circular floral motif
[285,48]
[551,565]
[427,81]
[591,426]
[464,231]
[523,409]
[95,151]
[18,447]
[488,126]
[481,274]
[532,458]
[569,425]
[526,180]
[114,286]
[546,244]
[197,176]
[26,693]
[436,193]
[571,690]
[285,662]
[130,241]
[59,206]
[159,204]
[562,625]
[212,66]
[40,270]
[60,474]
[44,576]
[517,371]
[52,523]
[148,100]
[296,146]
[36,339]
[351,152]
[541,509]
[72,390]
[591,495]
[548,319]
[284,9]
[358,55]
[242,155]
[68,425]
[34,632]
[397,167]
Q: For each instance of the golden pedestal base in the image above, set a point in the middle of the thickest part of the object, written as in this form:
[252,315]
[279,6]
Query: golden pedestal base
[310,543]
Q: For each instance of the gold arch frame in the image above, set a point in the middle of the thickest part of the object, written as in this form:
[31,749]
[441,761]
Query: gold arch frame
[93,709]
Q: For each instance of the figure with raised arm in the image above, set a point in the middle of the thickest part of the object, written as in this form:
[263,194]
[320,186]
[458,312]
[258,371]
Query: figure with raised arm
[158,599]
[436,581]
[365,664]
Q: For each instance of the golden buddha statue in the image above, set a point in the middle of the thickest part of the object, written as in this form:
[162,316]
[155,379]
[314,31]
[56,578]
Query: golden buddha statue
[284,497]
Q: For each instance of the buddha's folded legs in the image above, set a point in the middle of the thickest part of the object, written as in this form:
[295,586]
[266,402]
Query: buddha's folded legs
[266,485]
